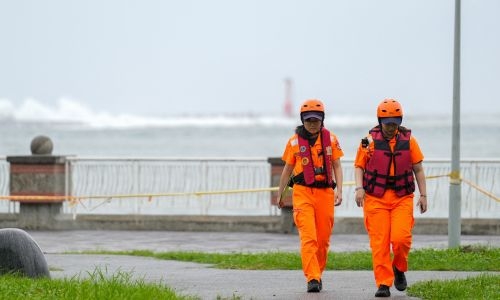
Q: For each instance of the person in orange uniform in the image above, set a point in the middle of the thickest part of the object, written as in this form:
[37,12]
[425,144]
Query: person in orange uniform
[312,166]
[387,163]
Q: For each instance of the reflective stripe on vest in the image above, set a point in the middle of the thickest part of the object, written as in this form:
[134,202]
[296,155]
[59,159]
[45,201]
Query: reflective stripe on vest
[376,178]
[306,158]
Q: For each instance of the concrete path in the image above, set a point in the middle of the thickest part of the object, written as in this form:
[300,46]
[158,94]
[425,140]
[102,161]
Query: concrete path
[207,282]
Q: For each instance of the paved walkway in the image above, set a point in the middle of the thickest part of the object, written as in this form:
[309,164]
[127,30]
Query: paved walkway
[207,282]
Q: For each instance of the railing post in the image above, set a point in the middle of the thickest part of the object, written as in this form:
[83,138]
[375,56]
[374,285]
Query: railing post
[286,211]
[39,174]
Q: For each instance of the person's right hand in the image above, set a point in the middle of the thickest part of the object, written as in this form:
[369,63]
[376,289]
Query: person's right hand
[279,202]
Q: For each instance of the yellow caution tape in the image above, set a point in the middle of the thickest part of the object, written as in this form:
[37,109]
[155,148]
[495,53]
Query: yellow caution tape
[482,190]
[73,200]
[150,196]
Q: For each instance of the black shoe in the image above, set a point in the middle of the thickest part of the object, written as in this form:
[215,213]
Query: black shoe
[383,291]
[399,279]
[313,286]
[320,284]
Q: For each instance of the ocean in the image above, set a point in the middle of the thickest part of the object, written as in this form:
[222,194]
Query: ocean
[233,135]
[241,136]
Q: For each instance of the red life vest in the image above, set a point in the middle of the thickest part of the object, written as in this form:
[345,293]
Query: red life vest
[309,168]
[376,178]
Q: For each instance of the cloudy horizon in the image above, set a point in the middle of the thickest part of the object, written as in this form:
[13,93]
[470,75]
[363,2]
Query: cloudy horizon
[164,58]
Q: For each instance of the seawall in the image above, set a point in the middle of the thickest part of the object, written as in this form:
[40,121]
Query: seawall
[276,224]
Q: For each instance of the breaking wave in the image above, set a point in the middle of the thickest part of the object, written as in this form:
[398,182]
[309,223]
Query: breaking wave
[69,111]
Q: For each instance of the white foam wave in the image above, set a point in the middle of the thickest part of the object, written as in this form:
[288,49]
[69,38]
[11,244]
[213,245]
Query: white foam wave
[73,112]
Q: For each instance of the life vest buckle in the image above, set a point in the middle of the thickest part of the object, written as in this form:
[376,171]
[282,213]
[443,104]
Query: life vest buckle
[319,171]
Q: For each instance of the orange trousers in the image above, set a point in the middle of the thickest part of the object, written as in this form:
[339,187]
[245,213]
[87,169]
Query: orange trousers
[389,222]
[313,216]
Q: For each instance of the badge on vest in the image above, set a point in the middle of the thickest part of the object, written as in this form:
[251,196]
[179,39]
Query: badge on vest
[305,161]
[329,150]
[303,148]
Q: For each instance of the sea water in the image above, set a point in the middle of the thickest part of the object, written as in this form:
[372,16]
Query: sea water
[245,137]
[238,136]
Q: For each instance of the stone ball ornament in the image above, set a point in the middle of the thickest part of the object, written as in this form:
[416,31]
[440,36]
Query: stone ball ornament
[41,145]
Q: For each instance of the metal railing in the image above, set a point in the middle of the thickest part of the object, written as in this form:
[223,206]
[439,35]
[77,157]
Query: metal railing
[187,185]
[235,186]
[6,206]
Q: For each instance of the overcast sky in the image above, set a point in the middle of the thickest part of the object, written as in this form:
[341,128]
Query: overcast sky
[155,57]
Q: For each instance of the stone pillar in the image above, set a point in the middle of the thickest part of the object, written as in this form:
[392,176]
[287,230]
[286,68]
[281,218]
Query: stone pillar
[287,211]
[39,174]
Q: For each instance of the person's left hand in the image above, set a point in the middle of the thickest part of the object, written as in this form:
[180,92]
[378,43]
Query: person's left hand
[359,197]
[338,198]
[422,203]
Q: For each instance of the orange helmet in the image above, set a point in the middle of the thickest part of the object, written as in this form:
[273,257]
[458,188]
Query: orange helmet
[389,108]
[312,105]
[312,108]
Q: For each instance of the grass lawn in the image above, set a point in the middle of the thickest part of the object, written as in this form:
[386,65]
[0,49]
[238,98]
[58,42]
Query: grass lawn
[121,286]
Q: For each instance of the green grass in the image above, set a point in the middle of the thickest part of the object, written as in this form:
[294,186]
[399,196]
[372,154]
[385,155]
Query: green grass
[484,286]
[468,258]
[98,285]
